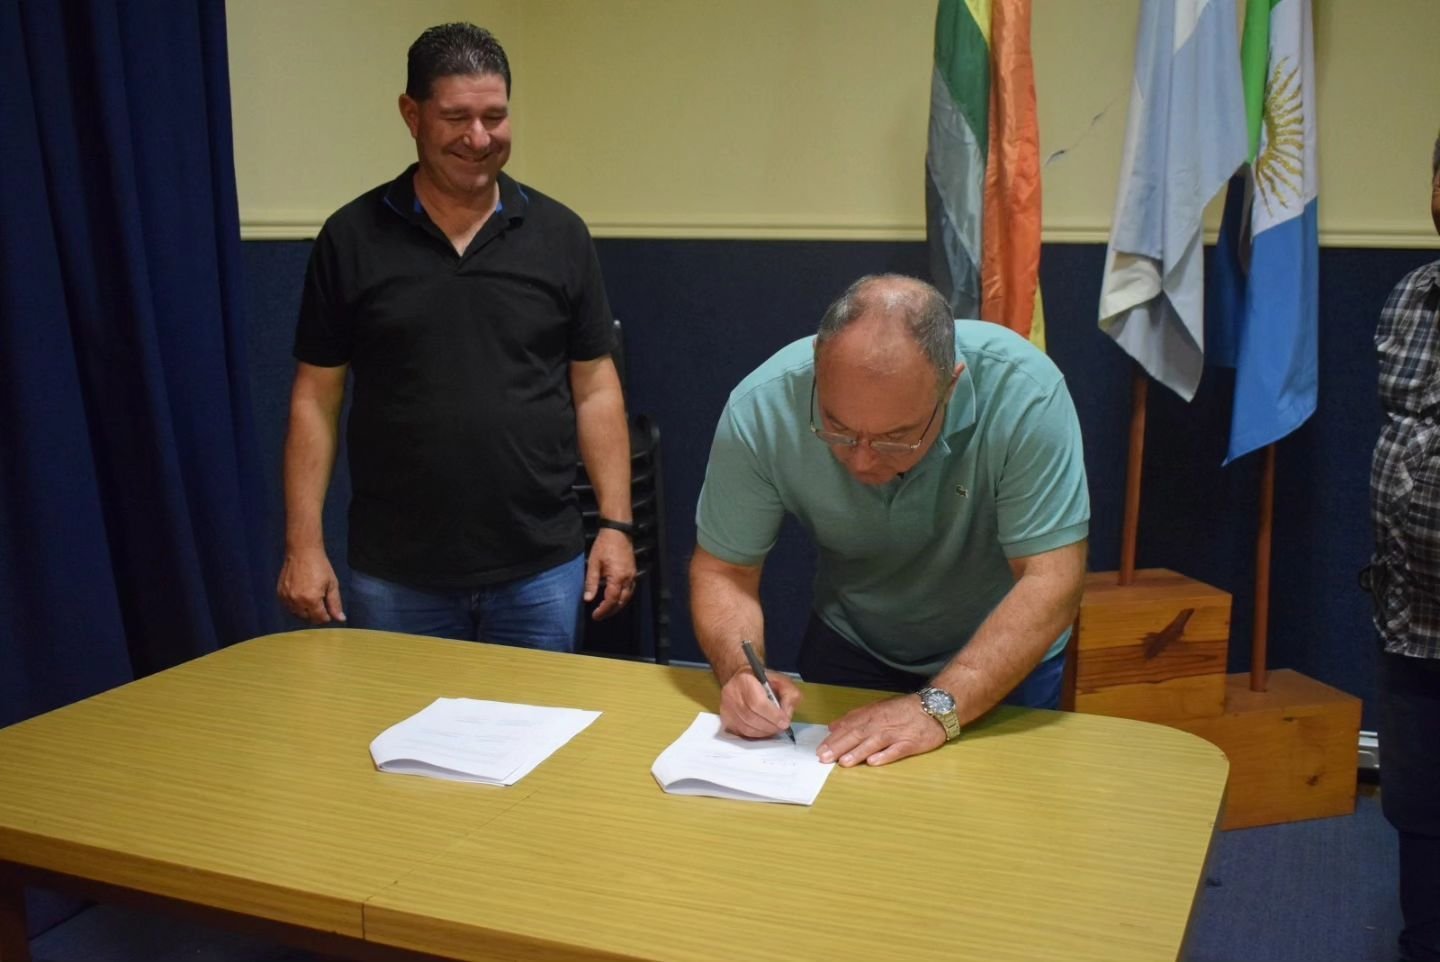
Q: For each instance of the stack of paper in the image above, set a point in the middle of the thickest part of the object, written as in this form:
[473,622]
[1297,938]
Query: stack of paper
[707,760]
[468,740]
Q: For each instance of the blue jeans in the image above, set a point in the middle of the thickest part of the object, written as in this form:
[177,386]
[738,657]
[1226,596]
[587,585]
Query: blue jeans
[827,657]
[1410,793]
[541,611]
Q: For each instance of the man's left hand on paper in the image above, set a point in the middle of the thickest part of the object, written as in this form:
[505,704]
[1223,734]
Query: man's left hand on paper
[880,733]
[612,560]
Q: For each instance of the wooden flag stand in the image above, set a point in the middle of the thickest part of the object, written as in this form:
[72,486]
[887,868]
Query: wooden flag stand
[1152,645]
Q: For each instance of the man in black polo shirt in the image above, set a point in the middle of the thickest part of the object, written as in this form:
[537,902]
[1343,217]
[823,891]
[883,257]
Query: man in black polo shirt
[471,312]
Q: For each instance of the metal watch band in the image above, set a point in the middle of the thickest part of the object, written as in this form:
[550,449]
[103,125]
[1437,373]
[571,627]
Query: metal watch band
[951,723]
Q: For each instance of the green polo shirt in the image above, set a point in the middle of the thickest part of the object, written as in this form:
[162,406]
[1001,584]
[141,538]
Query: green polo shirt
[908,570]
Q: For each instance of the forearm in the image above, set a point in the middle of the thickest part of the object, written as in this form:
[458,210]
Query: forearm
[1014,638]
[604,437]
[725,610]
[309,461]
[310,448]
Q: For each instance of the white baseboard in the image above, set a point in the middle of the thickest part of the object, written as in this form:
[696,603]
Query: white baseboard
[1369,759]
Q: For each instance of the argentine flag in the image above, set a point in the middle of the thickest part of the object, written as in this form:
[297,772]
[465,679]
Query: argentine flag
[1184,138]
[1266,322]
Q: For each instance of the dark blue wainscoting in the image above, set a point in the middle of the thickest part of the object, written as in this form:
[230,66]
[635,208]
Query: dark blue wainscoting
[698,315]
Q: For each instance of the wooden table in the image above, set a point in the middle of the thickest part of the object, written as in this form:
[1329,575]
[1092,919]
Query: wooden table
[239,787]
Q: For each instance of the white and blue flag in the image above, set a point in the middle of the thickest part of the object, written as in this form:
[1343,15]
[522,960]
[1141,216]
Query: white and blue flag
[1184,137]
[1266,320]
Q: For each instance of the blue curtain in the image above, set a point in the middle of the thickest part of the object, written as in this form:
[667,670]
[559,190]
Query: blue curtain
[132,507]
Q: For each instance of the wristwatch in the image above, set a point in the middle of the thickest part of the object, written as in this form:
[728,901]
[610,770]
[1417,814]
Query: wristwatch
[624,527]
[939,704]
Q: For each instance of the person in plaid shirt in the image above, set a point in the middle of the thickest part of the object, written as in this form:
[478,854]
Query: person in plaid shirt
[1405,583]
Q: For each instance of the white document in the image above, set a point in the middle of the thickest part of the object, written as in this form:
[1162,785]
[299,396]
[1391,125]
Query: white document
[707,760]
[469,740]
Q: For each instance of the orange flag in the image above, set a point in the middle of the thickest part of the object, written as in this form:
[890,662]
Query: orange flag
[1010,265]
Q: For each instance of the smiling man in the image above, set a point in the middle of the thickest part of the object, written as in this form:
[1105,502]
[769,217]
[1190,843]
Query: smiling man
[937,465]
[470,312]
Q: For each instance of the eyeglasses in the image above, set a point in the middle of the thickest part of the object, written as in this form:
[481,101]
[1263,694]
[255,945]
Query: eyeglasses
[891,448]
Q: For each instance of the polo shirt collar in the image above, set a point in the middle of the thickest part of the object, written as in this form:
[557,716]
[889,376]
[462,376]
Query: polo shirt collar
[960,414]
[514,202]
[400,197]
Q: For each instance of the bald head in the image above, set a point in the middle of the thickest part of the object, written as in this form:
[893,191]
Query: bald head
[886,324]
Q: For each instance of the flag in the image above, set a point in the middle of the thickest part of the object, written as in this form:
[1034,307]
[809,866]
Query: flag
[1184,137]
[982,165]
[1267,259]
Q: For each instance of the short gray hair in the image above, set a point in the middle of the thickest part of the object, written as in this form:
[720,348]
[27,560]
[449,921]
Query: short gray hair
[926,314]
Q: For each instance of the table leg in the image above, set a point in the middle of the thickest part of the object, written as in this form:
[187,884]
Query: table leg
[14,937]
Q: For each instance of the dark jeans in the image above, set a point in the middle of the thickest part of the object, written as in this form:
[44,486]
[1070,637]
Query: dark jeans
[1410,793]
[827,657]
[541,611]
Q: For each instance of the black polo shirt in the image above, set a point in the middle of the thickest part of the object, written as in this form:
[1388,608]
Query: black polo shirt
[462,427]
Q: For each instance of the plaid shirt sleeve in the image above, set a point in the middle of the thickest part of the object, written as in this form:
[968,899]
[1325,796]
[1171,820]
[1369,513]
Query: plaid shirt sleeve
[1405,470]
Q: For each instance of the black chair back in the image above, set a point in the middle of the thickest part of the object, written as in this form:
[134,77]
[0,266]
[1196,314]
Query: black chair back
[623,634]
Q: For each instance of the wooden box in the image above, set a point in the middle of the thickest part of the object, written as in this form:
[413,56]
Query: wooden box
[1153,650]
[1291,749]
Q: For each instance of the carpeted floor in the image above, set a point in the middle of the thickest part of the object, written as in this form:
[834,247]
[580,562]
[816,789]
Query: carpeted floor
[1320,891]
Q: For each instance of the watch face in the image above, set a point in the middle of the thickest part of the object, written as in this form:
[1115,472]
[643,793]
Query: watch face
[937,701]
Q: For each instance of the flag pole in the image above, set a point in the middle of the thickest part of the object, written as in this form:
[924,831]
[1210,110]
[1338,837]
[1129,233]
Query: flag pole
[1259,677]
[1139,390]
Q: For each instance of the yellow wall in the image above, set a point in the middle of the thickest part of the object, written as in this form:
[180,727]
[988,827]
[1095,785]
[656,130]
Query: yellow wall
[780,118]
[313,87]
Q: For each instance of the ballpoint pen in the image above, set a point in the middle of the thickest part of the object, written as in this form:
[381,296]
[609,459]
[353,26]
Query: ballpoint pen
[758,668]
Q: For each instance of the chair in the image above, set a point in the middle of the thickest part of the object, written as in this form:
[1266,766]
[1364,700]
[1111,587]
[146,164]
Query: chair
[623,634]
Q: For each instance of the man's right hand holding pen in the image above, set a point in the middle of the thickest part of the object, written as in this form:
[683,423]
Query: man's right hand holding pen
[746,710]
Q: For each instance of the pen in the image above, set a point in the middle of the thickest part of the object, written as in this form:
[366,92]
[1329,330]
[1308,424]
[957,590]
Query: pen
[759,669]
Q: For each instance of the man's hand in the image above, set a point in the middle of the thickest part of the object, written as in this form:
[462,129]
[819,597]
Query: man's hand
[612,558]
[309,589]
[882,732]
[747,711]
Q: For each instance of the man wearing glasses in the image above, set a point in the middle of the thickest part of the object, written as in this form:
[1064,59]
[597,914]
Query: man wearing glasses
[938,466]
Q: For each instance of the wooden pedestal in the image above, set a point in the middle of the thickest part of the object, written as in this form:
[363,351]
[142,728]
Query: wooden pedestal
[1291,749]
[1154,649]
